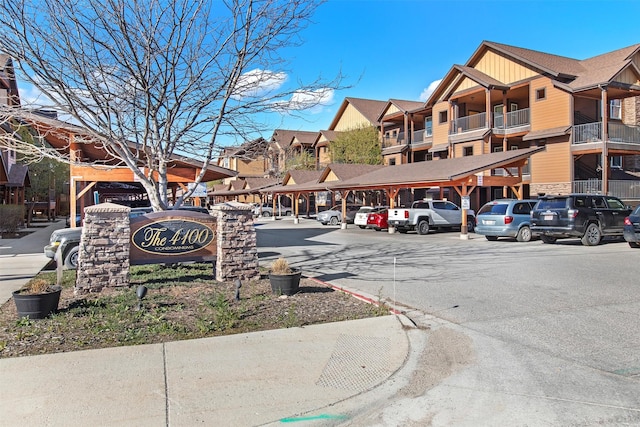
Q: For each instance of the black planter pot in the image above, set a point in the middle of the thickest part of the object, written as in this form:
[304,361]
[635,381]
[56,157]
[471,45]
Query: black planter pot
[285,284]
[37,306]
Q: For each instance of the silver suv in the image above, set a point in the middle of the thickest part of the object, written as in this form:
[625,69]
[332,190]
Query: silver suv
[505,218]
[589,217]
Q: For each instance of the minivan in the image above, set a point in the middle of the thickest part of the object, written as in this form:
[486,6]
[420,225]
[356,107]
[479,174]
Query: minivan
[505,218]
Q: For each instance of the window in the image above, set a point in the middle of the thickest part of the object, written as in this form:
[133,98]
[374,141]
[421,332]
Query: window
[392,162]
[615,162]
[615,109]
[467,151]
[428,126]
[442,117]
[541,94]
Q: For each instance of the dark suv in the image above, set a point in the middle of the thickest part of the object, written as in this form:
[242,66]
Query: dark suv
[587,216]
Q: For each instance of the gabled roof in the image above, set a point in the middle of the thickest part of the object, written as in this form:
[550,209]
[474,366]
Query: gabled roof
[301,176]
[403,105]
[283,137]
[258,183]
[571,74]
[369,108]
[345,171]
[304,138]
[18,175]
[557,66]
[329,136]
[248,150]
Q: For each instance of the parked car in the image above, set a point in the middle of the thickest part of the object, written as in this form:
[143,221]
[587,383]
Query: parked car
[378,220]
[266,210]
[589,217]
[66,241]
[505,218]
[360,218]
[333,216]
[631,229]
[426,215]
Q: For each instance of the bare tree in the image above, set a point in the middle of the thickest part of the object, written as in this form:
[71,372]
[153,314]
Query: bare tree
[150,79]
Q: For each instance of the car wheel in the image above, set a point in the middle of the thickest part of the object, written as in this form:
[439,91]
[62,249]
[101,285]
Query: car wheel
[524,234]
[471,224]
[592,235]
[634,245]
[266,214]
[362,226]
[71,260]
[547,239]
[377,228]
[423,227]
[333,220]
[402,230]
[491,238]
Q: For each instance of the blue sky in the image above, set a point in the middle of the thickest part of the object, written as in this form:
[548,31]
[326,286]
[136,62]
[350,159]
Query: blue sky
[397,48]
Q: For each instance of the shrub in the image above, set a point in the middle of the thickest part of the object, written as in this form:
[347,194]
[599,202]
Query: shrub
[11,218]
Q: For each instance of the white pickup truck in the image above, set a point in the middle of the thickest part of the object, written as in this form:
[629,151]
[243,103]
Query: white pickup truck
[425,215]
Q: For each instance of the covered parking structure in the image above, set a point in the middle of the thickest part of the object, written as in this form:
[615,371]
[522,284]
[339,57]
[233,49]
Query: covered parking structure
[91,164]
[463,174]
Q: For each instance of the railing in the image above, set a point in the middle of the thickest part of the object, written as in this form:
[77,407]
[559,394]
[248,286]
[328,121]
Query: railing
[418,136]
[526,170]
[390,142]
[514,119]
[621,133]
[623,189]
[590,132]
[469,123]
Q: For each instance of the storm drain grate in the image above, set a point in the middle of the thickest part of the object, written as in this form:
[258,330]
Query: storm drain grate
[357,363]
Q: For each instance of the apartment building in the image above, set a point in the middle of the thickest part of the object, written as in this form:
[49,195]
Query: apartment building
[14,177]
[585,112]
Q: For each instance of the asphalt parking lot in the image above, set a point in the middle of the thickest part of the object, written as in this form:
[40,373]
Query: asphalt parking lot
[553,327]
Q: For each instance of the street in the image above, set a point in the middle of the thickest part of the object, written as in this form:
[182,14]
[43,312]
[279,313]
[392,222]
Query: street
[552,328]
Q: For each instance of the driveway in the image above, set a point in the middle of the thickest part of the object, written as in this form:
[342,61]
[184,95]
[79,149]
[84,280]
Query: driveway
[535,334]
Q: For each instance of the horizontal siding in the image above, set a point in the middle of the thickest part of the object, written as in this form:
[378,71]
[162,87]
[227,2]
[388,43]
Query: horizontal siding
[553,164]
[458,149]
[351,119]
[503,69]
[331,176]
[551,112]
[440,131]
[397,157]
[392,109]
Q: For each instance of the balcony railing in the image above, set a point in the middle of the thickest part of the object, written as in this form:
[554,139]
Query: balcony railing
[623,189]
[622,133]
[513,119]
[388,142]
[526,170]
[617,132]
[469,123]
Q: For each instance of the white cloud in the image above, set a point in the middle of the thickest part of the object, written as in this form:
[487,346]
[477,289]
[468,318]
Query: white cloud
[258,82]
[311,101]
[31,97]
[426,93]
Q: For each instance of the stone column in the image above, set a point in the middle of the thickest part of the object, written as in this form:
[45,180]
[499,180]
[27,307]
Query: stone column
[237,252]
[103,256]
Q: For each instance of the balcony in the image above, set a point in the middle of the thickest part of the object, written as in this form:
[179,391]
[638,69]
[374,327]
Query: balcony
[469,123]
[388,142]
[623,189]
[592,132]
[514,121]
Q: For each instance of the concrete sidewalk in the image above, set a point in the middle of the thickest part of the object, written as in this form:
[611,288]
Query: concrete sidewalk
[251,379]
[21,259]
[271,377]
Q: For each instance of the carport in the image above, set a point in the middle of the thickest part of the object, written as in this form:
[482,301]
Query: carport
[463,174]
[91,164]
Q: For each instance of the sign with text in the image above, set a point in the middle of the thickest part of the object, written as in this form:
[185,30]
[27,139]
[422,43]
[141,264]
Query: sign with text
[172,236]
